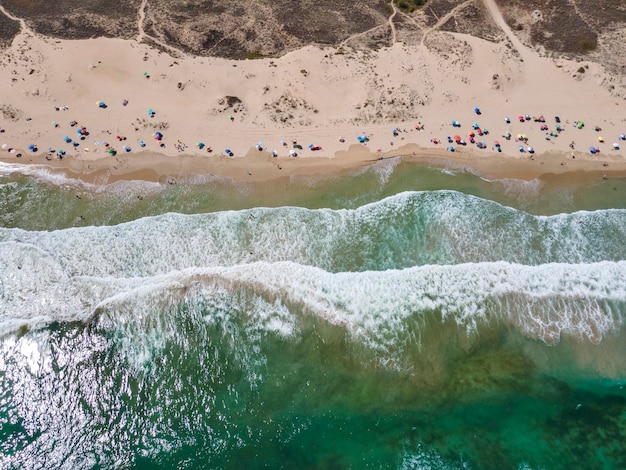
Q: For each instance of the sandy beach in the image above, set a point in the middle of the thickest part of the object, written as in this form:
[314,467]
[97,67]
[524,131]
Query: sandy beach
[147,115]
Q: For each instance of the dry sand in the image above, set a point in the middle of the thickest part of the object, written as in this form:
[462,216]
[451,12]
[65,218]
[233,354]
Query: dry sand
[326,97]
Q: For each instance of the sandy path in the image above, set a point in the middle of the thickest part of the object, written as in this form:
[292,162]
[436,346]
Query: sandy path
[496,14]
[141,18]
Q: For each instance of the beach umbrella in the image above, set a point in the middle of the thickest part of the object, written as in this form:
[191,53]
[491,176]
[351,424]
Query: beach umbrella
[293,153]
[67,139]
[520,148]
[101,104]
[55,124]
[451,148]
[476,110]
[530,149]
[200,145]
[228,152]
[475,126]
[580,124]
[593,150]
[274,153]
[615,146]
[507,135]
[600,138]
[485,130]
[554,134]
[496,143]
[527,117]
[32,147]
[622,137]
[455,124]
[471,133]
[142,143]
[158,135]
[557,119]
[520,118]
[457,138]
[127,148]
[507,120]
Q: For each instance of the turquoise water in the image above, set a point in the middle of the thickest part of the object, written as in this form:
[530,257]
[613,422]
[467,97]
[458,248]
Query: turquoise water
[403,317]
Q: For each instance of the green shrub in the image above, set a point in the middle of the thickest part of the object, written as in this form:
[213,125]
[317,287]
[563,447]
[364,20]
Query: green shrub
[587,44]
[409,5]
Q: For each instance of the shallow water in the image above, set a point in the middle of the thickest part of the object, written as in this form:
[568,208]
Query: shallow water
[403,317]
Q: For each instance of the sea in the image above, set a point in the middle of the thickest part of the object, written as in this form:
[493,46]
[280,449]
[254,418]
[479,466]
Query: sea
[399,317]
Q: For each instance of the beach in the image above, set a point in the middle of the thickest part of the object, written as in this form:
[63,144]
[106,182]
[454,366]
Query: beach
[335,108]
[290,262]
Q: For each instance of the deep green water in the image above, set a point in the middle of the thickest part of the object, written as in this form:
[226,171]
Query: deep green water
[403,317]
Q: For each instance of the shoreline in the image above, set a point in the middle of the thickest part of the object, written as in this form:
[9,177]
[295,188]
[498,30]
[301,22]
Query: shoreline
[259,167]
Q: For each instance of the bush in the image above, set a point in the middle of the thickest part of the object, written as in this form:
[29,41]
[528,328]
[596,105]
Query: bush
[586,44]
[409,5]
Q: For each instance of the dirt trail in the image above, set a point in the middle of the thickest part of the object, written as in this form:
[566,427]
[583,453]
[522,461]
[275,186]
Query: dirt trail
[23,26]
[141,32]
[388,23]
[444,19]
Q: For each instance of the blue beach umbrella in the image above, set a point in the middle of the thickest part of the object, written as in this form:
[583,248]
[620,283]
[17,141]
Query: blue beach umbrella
[142,143]
[477,110]
[67,139]
[32,147]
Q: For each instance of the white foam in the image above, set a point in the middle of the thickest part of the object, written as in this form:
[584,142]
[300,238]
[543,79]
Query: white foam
[288,255]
